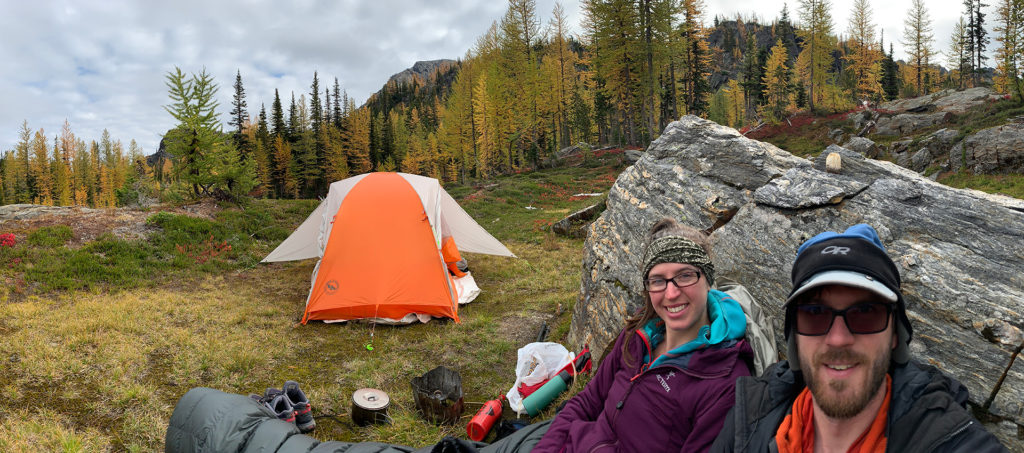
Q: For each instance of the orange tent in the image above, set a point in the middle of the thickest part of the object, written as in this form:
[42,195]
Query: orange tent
[382,240]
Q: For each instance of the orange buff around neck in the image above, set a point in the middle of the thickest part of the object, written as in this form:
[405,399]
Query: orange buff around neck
[796,433]
[874,438]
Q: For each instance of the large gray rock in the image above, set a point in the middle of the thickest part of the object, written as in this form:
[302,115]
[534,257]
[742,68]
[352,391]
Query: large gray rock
[950,100]
[920,160]
[908,123]
[863,146]
[959,102]
[994,150]
[28,211]
[960,252]
[941,141]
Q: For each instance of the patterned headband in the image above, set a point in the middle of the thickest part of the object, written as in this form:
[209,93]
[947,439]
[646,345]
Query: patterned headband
[677,249]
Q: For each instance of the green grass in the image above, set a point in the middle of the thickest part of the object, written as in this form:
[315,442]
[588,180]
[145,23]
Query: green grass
[182,247]
[1011,184]
[101,339]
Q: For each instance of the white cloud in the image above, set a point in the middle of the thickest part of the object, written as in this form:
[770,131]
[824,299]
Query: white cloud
[101,64]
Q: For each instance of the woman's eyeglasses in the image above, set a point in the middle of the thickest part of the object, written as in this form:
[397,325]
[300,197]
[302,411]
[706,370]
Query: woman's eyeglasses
[681,280]
[862,318]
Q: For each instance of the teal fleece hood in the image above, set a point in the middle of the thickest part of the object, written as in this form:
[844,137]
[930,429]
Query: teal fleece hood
[728,322]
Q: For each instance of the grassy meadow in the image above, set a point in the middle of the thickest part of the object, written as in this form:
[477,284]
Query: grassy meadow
[99,340]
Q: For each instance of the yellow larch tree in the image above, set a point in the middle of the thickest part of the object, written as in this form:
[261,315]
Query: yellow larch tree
[1010,54]
[917,38]
[356,139]
[777,79]
[483,118]
[735,104]
[40,170]
[865,55]
[815,60]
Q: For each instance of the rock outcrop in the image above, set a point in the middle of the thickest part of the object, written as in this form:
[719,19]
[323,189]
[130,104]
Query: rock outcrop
[908,123]
[918,113]
[950,100]
[30,211]
[994,150]
[862,145]
[422,70]
[960,252]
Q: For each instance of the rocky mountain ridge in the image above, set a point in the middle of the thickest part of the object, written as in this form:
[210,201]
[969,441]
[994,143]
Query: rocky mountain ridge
[421,69]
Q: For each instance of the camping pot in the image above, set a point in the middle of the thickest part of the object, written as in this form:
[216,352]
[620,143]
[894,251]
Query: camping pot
[369,406]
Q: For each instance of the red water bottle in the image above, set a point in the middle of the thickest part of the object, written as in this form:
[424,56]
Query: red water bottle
[484,419]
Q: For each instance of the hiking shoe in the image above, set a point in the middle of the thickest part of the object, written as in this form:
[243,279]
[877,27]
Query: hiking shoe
[278,403]
[303,410]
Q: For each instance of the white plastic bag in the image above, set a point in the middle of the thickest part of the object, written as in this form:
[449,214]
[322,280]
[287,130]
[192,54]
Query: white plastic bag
[537,362]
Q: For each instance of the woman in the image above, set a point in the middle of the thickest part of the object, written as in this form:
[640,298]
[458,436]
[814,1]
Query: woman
[668,382]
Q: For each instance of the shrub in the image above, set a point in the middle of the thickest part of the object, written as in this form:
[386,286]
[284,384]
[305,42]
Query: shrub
[50,236]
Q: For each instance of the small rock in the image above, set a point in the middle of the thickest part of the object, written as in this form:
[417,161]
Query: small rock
[833,163]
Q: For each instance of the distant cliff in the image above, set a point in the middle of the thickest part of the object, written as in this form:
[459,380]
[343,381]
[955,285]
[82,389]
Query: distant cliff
[422,70]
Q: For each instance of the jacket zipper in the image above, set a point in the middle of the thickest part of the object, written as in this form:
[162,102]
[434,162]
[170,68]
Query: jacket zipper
[951,435]
[601,446]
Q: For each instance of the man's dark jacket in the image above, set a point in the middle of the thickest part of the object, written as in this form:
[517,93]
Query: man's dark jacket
[927,413]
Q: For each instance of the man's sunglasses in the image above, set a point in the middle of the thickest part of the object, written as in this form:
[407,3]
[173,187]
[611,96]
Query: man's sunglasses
[862,318]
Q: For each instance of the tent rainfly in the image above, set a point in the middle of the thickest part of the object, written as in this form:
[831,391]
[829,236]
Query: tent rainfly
[383,241]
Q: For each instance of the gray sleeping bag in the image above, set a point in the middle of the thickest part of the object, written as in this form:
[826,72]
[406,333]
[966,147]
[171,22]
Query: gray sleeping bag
[208,420]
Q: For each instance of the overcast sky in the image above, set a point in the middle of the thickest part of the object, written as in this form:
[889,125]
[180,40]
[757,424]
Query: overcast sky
[101,63]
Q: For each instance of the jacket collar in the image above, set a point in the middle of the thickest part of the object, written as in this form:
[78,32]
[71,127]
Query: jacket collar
[728,324]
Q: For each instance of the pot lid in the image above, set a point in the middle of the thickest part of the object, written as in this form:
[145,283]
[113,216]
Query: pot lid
[371,399]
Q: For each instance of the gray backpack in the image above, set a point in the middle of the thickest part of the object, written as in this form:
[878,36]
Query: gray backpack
[760,330]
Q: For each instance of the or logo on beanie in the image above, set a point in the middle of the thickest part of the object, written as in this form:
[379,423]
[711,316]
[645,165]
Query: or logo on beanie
[835,250]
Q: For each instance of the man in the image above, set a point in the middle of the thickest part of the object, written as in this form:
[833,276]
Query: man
[849,384]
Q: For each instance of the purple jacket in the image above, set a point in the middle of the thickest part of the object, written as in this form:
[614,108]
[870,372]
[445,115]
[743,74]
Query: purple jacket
[679,405]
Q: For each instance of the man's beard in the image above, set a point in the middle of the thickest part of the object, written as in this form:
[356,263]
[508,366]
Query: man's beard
[844,407]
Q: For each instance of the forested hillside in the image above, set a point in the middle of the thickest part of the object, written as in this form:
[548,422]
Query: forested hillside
[523,90]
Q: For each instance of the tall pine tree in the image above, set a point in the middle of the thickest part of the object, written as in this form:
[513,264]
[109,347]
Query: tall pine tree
[238,113]
[278,128]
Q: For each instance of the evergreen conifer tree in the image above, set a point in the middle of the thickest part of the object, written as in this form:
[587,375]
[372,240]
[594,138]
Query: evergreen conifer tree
[277,117]
[294,126]
[316,110]
[337,105]
[238,113]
